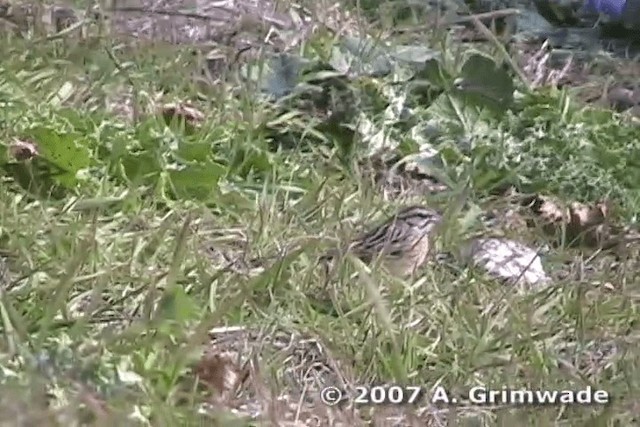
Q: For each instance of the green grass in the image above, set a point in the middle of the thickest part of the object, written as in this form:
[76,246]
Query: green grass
[116,274]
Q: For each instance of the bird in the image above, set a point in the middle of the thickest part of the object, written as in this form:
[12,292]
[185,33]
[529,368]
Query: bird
[402,242]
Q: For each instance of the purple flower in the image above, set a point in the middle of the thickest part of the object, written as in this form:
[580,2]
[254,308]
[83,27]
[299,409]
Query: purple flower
[612,8]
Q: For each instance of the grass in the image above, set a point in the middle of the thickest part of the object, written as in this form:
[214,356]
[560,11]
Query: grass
[116,275]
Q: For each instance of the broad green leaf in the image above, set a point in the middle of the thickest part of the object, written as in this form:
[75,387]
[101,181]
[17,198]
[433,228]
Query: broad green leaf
[197,181]
[360,57]
[35,178]
[194,151]
[148,136]
[454,115]
[414,56]
[175,306]
[247,159]
[285,73]
[65,151]
[141,165]
[485,84]
[433,74]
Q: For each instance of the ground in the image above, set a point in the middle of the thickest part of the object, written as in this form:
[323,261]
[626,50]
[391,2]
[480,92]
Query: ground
[161,221]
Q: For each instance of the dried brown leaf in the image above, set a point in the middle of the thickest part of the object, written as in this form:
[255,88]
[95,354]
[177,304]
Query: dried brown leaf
[183,112]
[22,150]
[219,372]
[584,224]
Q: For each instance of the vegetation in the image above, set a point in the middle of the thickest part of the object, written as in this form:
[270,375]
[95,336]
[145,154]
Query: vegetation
[143,245]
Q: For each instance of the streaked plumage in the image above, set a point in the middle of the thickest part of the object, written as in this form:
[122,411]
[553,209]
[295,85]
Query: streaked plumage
[402,242]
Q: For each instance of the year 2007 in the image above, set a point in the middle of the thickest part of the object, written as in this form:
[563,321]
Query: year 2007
[382,395]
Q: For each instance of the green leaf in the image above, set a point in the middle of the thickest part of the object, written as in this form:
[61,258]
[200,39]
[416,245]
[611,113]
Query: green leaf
[247,159]
[454,115]
[197,181]
[3,153]
[484,84]
[414,54]
[360,57]
[285,74]
[140,166]
[175,305]
[35,178]
[194,151]
[426,85]
[65,151]
[433,74]
[148,135]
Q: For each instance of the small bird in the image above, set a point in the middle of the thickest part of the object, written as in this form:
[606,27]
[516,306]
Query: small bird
[402,242]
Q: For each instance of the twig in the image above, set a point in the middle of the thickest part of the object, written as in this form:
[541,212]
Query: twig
[486,16]
[482,29]
[476,19]
[199,16]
